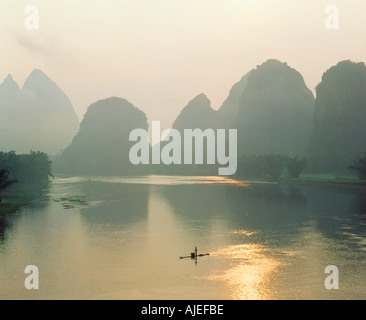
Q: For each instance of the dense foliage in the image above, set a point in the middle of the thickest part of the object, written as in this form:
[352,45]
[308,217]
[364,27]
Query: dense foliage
[34,167]
[295,166]
[270,166]
[359,165]
[4,179]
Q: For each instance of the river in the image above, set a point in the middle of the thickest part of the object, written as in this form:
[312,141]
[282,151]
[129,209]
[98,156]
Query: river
[121,238]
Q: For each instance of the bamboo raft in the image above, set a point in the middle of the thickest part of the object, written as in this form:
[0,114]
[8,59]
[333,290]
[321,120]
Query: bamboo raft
[194,255]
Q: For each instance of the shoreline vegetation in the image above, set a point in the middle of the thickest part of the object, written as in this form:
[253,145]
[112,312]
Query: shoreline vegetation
[23,177]
[327,180]
[17,196]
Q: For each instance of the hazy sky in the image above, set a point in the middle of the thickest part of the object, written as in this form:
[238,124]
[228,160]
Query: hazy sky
[159,54]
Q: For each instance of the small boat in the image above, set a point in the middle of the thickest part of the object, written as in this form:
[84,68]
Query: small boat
[194,255]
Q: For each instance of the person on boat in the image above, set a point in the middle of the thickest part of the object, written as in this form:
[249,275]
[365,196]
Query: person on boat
[194,254]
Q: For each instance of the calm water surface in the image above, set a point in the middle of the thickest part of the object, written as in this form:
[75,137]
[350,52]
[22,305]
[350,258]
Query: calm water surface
[121,238]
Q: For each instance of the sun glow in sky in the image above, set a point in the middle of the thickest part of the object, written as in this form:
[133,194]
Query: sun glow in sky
[159,54]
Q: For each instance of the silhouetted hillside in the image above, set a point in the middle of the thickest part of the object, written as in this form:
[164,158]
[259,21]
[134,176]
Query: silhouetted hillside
[102,145]
[37,117]
[340,117]
[196,114]
[271,108]
[199,114]
[228,112]
[275,112]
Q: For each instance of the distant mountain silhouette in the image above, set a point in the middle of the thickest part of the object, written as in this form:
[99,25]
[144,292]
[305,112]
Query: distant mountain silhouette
[230,108]
[37,117]
[102,145]
[275,112]
[271,107]
[340,117]
[196,114]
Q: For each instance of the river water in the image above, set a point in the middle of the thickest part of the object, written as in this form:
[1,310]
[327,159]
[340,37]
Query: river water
[121,238]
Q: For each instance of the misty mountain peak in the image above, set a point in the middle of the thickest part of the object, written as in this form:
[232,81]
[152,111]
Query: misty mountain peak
[275,62]
[102,144]
[200,102]
[276,111]
[340,113]
[230,107]
[9,78]
[39,116]
[37,79]
[196,114]
[271,65]
[9,84]
[48,93]
[37,73]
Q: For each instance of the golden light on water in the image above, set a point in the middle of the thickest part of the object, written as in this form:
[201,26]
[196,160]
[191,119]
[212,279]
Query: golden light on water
[230,181]
[249,273]
[244,232]
[162,180]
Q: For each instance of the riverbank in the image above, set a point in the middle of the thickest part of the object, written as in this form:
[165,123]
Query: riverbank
[11,204]
[328,180]
[17,196]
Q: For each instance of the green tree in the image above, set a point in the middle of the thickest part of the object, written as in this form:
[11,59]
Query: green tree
[34,167]
[269,166]
[274,165]
[250,166]
[295,166]
[359,165]
[4,180]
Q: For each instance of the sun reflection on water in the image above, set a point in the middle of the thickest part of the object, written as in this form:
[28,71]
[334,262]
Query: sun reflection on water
[244,232]
[156,180]
[249,273]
